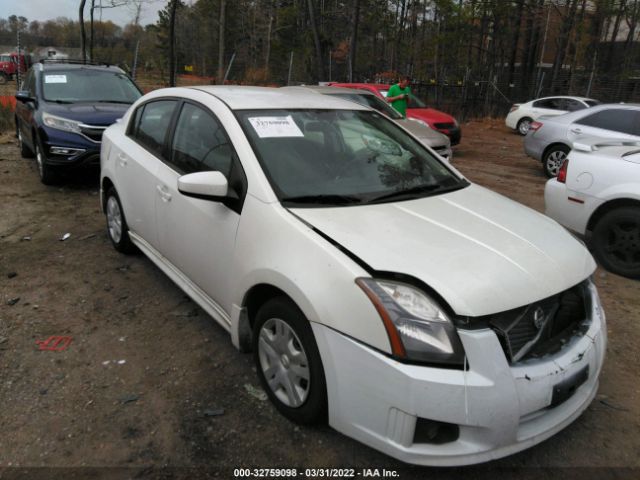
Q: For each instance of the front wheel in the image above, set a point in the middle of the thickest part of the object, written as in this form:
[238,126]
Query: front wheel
[554,159]
[25,152]
[117,227]
[47,174]
[288,362]
[616,241]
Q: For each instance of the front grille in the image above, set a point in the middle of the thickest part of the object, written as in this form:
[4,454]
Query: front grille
[444,125]
[93,132]
[542,327]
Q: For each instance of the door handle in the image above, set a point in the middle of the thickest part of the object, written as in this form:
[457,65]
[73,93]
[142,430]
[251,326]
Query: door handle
[122,159]
[577,131]
[164,194]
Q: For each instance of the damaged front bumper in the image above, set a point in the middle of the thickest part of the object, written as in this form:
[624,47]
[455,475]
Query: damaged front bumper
[491,410]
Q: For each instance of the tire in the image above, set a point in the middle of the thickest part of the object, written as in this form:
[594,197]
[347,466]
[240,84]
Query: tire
[616,241]
[25,152]
[47,173]
[117,228]
[523,125]
[285,352]
[553,160]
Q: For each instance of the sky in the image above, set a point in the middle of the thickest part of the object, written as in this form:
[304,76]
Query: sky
[42,10]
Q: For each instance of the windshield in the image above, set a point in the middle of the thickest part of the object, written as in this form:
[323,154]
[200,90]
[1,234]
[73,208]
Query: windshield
[414,102]
[340,157]
[88,85]
[5,58]
[370,101]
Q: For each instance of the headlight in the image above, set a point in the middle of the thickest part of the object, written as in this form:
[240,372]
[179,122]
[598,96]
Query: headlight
[418,328]
[60,123]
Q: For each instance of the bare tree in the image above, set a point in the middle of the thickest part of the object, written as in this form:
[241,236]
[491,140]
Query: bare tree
[83,34]
[354,39]
[316,40]
[172,43]
[221,42]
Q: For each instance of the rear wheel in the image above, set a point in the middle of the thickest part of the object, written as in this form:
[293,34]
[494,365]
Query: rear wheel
[553,160]
[117,227]
[616,241]
[524,125]
[288,362]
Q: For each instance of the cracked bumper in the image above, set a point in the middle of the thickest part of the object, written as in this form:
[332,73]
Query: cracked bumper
[499,408]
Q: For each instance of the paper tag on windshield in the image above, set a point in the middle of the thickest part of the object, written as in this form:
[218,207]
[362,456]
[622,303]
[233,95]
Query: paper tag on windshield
[55,79]
[272,127]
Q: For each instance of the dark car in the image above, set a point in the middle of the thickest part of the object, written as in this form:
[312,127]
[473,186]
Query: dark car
[63,109]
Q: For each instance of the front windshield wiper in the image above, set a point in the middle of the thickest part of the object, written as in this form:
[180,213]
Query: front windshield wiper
[323,199]
[61,101]
[415,192]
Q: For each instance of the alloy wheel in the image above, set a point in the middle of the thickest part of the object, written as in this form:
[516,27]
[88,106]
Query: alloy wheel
[554,162]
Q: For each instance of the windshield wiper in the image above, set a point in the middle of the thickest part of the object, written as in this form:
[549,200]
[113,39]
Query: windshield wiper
[60,101]
[323,199]
[414,192]
[109,101]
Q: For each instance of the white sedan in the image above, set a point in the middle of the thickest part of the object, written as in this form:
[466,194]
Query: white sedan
[522,115]
[377,287]
[597,194]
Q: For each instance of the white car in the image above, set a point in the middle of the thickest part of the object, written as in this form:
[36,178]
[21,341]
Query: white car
[522,114]
[597,194]
[377,287]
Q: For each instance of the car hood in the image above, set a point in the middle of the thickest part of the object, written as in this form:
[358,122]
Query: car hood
[103,114]
[482,252]
[430,114]
[425,134]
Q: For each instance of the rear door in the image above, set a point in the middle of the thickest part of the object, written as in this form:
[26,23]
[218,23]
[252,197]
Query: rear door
[609,123]
[137,159]
[548,106]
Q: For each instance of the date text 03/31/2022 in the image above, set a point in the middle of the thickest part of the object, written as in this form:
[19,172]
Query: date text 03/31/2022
[314,473]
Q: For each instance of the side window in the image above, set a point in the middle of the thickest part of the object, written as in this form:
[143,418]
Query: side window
[150,124]
[574,105]
[28,84]
[200,143]
[616,119]
[550,103]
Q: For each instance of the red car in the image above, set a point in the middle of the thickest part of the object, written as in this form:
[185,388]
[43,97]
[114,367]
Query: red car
[417,109]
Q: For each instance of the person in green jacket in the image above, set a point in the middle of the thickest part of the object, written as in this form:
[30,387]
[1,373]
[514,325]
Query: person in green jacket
[398,95]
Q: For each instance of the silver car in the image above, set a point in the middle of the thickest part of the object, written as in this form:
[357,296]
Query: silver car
[429,137]
[549,139]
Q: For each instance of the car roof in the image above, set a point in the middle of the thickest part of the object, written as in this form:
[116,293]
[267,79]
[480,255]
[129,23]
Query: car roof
[564,96]
[571,116]
[328,90]
[250,98]
[64,66]
[377,86]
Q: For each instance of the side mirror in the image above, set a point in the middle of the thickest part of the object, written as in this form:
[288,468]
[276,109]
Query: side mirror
[204,185]
[24,96]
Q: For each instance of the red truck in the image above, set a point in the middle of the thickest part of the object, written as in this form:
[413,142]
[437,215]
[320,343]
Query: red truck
[9,64]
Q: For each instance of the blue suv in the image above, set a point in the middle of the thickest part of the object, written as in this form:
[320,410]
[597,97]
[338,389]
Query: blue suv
[63,109]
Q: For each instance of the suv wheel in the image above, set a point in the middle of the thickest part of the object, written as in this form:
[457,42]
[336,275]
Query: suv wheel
[553,160]
[523,126]
[117,227]
[616,241]
[288,362]
[47,174]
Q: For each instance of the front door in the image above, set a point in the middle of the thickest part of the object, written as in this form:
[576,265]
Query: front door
[198,236]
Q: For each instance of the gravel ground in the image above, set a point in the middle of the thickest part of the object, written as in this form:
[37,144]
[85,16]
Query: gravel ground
[151,387]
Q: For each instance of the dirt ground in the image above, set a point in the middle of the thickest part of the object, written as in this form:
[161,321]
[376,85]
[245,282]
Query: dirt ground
[151,387]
